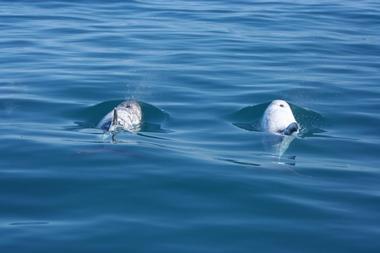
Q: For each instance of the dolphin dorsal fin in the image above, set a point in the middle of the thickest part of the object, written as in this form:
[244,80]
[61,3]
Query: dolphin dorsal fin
[114,117]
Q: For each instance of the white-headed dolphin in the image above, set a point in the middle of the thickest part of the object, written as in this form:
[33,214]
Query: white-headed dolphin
[279,119]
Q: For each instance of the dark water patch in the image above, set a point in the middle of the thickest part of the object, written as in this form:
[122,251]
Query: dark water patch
[29,223]
[240,162]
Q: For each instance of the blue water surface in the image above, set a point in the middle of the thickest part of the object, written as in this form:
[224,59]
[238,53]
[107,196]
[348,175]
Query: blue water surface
[200,176]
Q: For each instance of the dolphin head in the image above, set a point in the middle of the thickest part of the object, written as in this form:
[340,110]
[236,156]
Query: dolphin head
[279,119]
[127,116]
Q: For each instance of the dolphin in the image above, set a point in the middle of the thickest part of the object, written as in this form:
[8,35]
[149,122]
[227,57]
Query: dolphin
[126,116]
[279,119]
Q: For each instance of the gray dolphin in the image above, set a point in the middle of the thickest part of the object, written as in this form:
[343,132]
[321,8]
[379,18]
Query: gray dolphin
[126,116]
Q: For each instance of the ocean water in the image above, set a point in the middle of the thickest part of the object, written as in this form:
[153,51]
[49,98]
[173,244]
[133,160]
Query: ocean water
[199,176]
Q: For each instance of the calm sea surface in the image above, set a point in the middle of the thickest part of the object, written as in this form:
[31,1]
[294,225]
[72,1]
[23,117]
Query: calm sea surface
[199,177]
